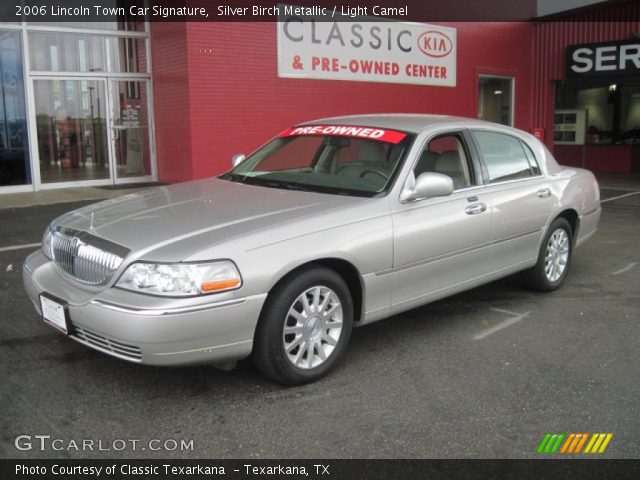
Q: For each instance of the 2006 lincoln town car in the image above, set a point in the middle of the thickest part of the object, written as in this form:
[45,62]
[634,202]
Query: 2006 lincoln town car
[334,223]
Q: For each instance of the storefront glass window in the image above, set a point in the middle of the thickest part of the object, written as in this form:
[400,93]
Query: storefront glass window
[495,100]
[65,52]
[115,25]
[70,52]
[610,106]
[128,55]
[14,155]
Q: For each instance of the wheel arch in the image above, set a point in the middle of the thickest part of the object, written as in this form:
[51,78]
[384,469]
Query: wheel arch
[347,270]
[571,215]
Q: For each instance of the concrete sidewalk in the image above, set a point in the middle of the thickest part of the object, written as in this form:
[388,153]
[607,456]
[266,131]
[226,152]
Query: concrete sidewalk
[621,181]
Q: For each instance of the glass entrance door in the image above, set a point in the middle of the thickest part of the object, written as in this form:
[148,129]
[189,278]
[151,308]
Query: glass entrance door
[130,130]
[71,120]
[92,131]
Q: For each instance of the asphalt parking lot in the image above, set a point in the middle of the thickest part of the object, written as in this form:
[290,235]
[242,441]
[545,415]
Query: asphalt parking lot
[483,374]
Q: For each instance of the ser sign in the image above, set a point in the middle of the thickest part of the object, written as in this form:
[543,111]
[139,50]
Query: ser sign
[600,59]
[366,51]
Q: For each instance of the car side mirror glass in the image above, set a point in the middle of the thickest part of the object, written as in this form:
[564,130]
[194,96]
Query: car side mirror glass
[429,184]
[237,159]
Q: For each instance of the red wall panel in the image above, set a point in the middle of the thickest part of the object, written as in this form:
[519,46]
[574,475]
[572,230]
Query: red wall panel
[170,76]
[237,101]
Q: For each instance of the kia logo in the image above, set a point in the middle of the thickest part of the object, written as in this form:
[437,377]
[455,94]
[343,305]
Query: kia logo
[435,44]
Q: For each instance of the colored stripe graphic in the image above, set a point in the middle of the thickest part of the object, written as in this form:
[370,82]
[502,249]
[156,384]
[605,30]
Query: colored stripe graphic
[598,442]
[573,443]
[550,443]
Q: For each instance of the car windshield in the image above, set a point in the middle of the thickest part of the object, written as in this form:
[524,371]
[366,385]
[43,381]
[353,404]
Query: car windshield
[345,160]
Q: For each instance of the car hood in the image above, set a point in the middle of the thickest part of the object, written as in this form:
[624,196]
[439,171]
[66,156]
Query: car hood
[212,210]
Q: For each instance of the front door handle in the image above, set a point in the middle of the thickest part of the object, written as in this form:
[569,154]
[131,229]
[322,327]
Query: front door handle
[475,209]
[544,193]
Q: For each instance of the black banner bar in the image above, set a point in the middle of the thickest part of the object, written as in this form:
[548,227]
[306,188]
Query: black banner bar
[123,11]
[320,469]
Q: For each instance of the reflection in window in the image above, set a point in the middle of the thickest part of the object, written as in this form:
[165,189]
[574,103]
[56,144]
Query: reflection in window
[504,156]
[127,25]
[128,55]
[131,129]
[71,52]
[14,155]
[72,134]
[66,52]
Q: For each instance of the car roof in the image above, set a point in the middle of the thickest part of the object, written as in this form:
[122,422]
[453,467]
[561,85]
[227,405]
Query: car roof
[406,122]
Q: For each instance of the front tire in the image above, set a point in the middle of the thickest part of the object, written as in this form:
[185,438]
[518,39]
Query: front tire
[554,258]
[304,327]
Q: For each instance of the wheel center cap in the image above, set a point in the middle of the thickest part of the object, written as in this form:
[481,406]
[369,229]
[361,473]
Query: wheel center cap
[312,327]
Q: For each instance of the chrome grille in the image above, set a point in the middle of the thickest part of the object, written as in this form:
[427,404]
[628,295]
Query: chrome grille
[85,257]
[107,345]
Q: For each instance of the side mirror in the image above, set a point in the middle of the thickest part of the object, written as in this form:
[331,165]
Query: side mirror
[237,159]
[429,185]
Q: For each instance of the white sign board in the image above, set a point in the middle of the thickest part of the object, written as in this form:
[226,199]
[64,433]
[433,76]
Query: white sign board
[365,51]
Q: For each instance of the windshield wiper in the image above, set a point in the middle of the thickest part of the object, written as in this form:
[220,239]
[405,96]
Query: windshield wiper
[233,177]
[283,185]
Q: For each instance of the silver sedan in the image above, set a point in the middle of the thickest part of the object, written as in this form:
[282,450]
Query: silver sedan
[334,223]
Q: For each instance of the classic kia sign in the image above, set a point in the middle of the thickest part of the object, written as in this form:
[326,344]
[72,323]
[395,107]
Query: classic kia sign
[366,51]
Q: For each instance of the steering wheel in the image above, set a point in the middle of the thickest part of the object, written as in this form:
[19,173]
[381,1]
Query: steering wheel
[376,172]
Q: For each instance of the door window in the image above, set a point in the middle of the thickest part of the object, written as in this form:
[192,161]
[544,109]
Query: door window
[504,156]
[446,154]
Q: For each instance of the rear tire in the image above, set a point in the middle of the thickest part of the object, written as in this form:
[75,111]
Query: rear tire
[554,258]
[304,327]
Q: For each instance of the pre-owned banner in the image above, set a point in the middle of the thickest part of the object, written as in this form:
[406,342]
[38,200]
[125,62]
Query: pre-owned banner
[359,49]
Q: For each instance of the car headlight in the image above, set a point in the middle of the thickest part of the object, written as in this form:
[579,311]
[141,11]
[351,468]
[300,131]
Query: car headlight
[180,279]
[46,243]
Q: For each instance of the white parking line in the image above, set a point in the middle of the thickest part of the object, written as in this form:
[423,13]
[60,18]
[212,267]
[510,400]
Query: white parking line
[516,317]
[625,269]
[19,247]
[619,197]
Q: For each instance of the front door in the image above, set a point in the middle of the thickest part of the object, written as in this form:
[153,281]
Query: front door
[442,243]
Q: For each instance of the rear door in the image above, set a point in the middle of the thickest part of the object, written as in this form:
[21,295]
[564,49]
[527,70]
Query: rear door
[441,243]
[522,197]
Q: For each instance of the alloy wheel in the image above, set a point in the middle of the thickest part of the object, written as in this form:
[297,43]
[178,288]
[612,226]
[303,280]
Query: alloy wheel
[312,327]
[556,255]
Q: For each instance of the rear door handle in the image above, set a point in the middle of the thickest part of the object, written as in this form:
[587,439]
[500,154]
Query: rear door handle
[475,209]
[544,193]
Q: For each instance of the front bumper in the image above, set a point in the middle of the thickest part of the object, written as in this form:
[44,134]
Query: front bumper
[159,331]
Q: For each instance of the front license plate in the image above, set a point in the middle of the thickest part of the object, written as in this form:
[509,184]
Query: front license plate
[54,312]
